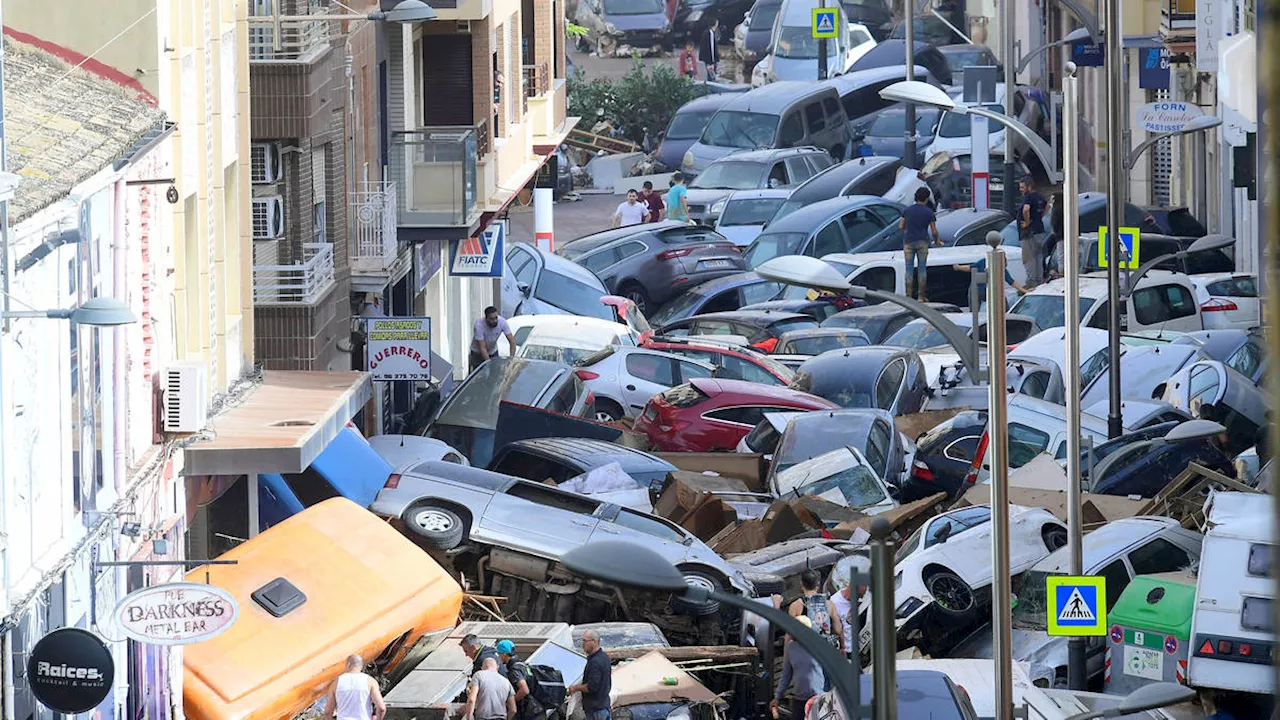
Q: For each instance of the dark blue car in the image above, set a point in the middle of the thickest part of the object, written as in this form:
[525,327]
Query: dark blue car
[347,467]
[687,126]
[720,295]
[1143,468]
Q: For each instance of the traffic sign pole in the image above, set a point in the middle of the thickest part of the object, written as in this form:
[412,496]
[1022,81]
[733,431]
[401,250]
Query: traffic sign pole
[826,23]
[822,48]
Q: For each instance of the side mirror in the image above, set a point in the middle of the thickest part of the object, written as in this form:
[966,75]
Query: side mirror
[894,492]
[525,288]
[944,532]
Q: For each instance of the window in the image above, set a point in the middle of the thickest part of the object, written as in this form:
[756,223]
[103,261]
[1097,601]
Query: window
[1246,360]
[735,368]
[1208,261]
[518,463]
[940,531]
[962,449]
[543,495]
[750,416]
[878,448]
[799,170]
[714,327]
[1117,577]
[1203,384]
[877,278]
[1025,443]
[721,302]
[888,383]
[758,292]
[650,368]
[310,487]
[1234,287]
[319,223]
[791,132]
[887,213]
[1259,560]
[631,249]
[691,371]
[814,118]
[778,176]
[828,240]
[1158,556]
[566,396]
[1102,318]
[1162,303]
[648,525]
[1255,614]
[860,225]
[1093,367]
[597,262]
[522,334]
[819,161]
[683,396]
[527,271]
[835,113]
[1035,385]
[877,183]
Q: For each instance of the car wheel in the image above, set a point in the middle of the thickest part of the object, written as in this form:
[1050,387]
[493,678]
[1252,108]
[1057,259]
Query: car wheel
[608,411]
[698,579]
[637,295]
[440,528]
[951,595]
[1054,537]
[766,584]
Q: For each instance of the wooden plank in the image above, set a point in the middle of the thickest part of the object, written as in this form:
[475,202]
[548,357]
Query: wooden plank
[716,653]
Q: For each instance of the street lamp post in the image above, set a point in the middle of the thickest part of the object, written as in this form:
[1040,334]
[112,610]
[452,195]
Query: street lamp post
[1147,697]
[1010,55]
[909,126]
[1074,36]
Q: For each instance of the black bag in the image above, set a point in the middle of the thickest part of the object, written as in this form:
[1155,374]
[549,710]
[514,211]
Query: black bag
[547,691]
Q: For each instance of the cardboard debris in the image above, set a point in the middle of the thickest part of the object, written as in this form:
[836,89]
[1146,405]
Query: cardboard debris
[782,521]
[641,681]
[747,467]
[709,517]
[1096,510]
[683,490]
[917,424]
[903,519]
[1183,499]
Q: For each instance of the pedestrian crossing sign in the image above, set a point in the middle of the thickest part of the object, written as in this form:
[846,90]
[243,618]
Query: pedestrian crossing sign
[1130,243]
[1076,606]
[824,23]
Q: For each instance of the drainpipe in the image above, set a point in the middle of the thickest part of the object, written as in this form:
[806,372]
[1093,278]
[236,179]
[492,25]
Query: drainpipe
[6,658]
[119,257]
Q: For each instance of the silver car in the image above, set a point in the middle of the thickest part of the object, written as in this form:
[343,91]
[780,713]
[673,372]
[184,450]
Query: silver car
[447,504]
[624,379]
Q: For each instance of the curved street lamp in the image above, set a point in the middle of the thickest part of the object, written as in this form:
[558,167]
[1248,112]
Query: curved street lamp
[98,312]
[1073,36]
[1197,124]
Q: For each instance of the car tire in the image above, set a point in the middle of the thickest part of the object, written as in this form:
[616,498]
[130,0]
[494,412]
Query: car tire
[608,410]
[951,595]
[766,584]
[637,295]
[1054,537]
[706,580]
[440,528]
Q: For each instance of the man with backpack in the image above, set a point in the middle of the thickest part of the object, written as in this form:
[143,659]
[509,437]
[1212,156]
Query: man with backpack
[539,689]
[518,674]
[817,606]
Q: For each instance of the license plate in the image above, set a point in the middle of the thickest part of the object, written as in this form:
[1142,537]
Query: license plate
[1143,662]
[714,264]
[864,637]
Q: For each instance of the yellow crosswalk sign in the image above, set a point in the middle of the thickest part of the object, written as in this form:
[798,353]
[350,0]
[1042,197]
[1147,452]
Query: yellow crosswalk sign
[824,22]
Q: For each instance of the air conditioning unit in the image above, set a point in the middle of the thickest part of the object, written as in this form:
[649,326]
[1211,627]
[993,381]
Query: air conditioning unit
[265,166]
[268,217]
[464,27]
[185,392]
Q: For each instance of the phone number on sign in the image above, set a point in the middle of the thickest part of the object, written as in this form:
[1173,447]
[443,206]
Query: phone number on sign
[404,376]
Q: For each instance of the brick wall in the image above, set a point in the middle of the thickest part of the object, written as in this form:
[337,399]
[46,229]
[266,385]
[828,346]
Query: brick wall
[543,27]
[482,72]
[509,84]
[559,41]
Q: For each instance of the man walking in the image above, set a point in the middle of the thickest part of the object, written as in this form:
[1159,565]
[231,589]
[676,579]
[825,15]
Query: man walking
[1031,232]
[597,679]
[653,201]
[678,199]
[709,53]
[846,604]
[630,212]
[917,224]
[489,695]
[518,676]
[484,341]
[821,611]
[353,694]
[798,668]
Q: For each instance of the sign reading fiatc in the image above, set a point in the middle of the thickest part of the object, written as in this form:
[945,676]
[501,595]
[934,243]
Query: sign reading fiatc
[176,613]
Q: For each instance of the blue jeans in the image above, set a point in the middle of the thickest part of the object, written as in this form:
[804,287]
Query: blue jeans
[601,714]
[915,268]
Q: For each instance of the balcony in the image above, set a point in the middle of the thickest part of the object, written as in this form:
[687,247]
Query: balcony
[375,246]
[300,284]
[434,172]
[1178,18]
[299,42]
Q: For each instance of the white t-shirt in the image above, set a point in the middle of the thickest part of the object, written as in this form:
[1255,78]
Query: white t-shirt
[630,214]
[489,335]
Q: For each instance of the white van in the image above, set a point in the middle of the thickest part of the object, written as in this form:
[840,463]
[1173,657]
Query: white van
[1163,300]
[1232,629]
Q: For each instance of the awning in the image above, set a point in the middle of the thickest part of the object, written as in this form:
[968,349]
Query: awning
[282,426]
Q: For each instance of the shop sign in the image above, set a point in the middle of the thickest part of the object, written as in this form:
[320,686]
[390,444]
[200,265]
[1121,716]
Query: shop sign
[398,348]
[177,613]
[70,671]
[480,256]
[1166,116]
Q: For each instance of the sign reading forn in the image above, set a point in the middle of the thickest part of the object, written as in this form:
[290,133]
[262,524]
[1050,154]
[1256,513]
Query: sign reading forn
[398,348]
[1166,116]
[176,613]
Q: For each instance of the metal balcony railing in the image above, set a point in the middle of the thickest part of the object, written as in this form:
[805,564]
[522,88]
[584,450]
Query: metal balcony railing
[299,41]
[536,80]
[300,284]
[375,246]
[434,172]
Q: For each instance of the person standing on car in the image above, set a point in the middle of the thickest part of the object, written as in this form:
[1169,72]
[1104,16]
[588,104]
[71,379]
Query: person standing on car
[818,608]
[518,676]
[353,694]
[678,199]
[489,694]
[709,53]
[653,201]
[597,679]
[1031,232]
[484,339]
[800,669]
[916,224]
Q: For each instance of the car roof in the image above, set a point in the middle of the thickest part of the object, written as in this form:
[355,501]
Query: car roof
[760,194]
[860,357]
[809,218]
[1109,540]
[586,451]
[761,317]
[726,282]
[853,419]
[1050,345]
[772,98]
[799,13]
[954,222]
[818,332]
[711,101]
[764,155]
[568,268]
[1094,284]
[832,181]
[595,240]
[887,308]
[867,76]
[760,391]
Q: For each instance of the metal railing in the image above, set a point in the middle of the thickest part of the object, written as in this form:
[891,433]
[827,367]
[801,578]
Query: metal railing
[299,41]
[434,174]
[375,245]
[300,284]
[536,80]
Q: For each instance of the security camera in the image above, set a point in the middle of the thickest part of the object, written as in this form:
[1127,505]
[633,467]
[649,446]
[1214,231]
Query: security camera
[171,194]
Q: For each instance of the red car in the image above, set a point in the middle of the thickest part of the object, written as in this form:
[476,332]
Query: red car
[734,361]
[708,414]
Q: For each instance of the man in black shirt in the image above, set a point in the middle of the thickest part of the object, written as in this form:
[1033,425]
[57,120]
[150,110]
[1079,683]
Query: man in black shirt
[1031,232]
[478,653]
[518,675]
[917,224]
[597,679]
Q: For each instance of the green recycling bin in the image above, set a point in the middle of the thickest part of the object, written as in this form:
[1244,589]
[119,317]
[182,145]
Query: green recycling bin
[1150,631]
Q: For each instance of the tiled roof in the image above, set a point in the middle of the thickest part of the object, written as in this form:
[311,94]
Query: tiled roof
[63,124]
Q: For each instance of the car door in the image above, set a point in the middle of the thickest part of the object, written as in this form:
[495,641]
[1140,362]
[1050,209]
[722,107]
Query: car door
[645,374]
[565,520]
[620,523]
[1169,306]
[518,269]
[889,385]
[860,226]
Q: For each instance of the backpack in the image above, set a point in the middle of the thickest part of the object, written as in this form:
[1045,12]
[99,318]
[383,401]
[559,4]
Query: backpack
[820,616]
[547,690]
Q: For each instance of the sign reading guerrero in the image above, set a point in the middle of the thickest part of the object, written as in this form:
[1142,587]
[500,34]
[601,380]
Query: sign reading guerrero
[176,613]
[398,348]
[70,671]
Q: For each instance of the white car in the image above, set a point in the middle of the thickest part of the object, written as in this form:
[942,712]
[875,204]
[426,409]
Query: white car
[624,379]
[842,476]
[1228,300]
[947,563]
[741,216]
[541,336]
[408,450]
[955,130]
[859,43]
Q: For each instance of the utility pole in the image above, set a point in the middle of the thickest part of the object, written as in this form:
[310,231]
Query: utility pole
[1010,78]
[884,641]
[998,435]
[1116,150]
[909,147]
[822,48]
[1077,672]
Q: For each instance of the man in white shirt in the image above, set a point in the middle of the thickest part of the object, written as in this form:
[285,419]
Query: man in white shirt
[484,341]
[630,212]
[354,695]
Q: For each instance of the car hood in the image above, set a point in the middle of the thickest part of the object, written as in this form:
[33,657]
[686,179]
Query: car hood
[704,155]
[671,152]
[803,69]
[707,196]
[740,235]
[633,23]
